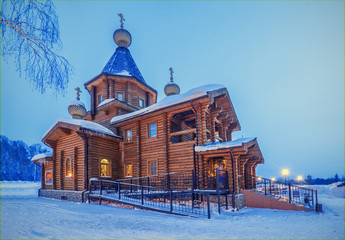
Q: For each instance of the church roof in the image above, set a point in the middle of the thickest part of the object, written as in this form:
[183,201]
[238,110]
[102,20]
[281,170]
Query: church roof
[79,124]
[171,101]
[221,145]
[122,63]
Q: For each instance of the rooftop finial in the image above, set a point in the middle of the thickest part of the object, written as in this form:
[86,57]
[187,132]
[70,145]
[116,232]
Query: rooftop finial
[171,74]
[121,19]
[78,93]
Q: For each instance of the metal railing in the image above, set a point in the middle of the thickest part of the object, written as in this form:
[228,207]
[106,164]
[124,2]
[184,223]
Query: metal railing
[285,191]
[183,181]
[171,201]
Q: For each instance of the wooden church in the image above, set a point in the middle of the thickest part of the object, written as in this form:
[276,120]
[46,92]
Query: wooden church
[128,134]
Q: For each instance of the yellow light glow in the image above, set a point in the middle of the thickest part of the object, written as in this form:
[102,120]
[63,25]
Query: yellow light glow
[285,172]
[299,178]
[259,178]
[273,179]
[70,174]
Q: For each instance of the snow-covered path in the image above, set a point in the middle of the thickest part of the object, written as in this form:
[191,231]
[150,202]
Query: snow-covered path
[23,215]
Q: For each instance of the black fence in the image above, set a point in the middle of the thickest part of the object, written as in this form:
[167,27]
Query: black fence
[286,191]
[184,181]
[170,201]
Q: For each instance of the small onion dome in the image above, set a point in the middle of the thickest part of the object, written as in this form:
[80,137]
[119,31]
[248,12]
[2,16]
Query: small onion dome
[77,109]
[122,38]
[171,89]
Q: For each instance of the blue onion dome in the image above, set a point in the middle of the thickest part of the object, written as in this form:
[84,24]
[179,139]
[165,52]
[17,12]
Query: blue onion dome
[77,108]
[171,88]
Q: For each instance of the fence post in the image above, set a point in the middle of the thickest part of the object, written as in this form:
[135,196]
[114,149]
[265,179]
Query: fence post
[193,180]
[226,201]
[88,196]
[192,199]
[119,189]
[148,183]
[312,197]
[290,200]
[142,195]
[270,187]
[171,201]
[208,206]
[218,194]
[168,180]
[131,184]
[227,180]
[316,197]
[100,192]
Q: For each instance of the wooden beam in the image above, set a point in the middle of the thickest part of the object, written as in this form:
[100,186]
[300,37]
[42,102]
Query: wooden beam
[182,132]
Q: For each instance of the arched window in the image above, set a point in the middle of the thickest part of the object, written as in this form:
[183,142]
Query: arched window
[105,168]
[68,167]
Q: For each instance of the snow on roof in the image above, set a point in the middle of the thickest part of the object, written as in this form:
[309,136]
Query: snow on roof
[220,145]
[106,101]
[122,63]
[76,103]
[169,101]
[41,156]
[86,125]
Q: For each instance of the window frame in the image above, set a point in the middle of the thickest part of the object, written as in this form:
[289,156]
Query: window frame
[45,177]
[117,94]
[69,171]
[99,98]
[142,100]
[126,170]
[126,135]
[149,173]
[109,172]
[149,130]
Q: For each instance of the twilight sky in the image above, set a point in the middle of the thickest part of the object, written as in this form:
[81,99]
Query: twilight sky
[282,63]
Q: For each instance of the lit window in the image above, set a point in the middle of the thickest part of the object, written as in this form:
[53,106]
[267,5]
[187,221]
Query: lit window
[68,167]
[49,177]
[153,130]
[129,136]
[105,168]
[153,168]
[99,98]
[119,96]
[141,102]
[129,170]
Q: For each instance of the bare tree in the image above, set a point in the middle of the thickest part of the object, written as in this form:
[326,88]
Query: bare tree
[30,37]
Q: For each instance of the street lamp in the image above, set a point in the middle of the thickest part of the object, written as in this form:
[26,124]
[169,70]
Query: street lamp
[299,179]
[273,179]
[285,172]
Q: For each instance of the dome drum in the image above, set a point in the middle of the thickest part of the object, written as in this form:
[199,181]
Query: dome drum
[77,109]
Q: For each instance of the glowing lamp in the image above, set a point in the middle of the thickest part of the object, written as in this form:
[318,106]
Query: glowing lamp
[299,179]
[285,172]
[259,178]
[273,179]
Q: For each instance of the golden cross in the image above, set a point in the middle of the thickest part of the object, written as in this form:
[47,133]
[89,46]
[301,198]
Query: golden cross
[121,19]
[78,93]
[171,74]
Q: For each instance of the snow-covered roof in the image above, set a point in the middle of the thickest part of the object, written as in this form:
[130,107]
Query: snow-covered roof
[169,101]
[76,103]
[85,125]
[122,63]
[105,102]
[41,156]
[220,145]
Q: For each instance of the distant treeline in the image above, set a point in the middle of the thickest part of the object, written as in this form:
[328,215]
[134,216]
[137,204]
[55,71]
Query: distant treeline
[324,181]
[16,160]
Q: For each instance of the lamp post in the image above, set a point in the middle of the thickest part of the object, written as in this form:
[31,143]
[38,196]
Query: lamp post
[299,179]
[285,172]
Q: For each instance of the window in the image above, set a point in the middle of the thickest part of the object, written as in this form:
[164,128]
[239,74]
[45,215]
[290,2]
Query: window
[99,98]
[49,177]
[141,102]
[68,167]
[152,130]
[119,96]
[105,168]
[152,168]
[129,137]
[128,170]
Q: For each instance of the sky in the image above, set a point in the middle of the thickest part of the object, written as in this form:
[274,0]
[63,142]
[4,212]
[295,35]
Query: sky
[281,61]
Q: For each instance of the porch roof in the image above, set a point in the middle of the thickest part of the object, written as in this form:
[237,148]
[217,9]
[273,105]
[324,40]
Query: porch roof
[42,156]
[223,145]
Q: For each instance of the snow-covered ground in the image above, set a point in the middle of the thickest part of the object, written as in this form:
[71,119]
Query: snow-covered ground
[24,215]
